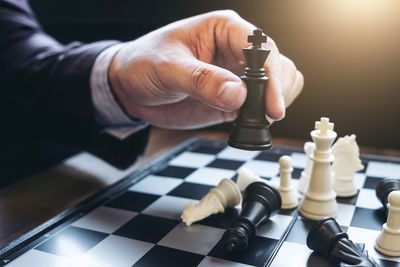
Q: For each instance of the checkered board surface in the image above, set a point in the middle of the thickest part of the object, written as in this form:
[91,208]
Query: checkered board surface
[140,225]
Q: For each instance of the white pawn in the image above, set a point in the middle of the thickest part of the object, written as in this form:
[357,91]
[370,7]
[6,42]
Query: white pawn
[288,195]
[246,177]
[225,195]
[304,180]
[347,162]
[388,241]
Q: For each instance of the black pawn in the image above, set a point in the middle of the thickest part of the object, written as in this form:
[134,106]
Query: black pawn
[327,238]
[260,202]
[251,129]
[384,188]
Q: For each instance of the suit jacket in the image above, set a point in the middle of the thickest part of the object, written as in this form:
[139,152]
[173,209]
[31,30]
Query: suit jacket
[46,111]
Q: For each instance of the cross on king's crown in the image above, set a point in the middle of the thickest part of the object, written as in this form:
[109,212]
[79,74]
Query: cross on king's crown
[257,38]
[323,126]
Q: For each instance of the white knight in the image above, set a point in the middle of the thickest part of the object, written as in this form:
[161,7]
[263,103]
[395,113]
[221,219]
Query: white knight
[347,162]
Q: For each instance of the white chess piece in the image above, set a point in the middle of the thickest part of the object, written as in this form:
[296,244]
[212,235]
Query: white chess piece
[304,180]
[388,241]
[347,162]
[320,198]
[225,195]
[288,195]
[246,177]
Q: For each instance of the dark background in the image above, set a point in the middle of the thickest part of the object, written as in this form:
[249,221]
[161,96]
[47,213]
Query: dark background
[348,51]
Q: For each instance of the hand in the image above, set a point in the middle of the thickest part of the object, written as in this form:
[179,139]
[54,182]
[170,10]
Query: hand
[186,74]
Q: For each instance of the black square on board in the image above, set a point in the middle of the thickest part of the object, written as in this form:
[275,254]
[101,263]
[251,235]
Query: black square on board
[72,242]
[259,250]
[133,201]
[348,200]
[146,228]
[268,156]
[296,173]
[226,164]
[365,163]
[175,171]
[371,182]
[208,150]
[368,218]
[221,220]
[168,257]
[190,190]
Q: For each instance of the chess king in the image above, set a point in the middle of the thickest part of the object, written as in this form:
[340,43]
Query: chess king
[251,129]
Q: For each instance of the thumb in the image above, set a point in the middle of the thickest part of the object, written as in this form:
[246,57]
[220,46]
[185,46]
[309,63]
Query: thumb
[210,84]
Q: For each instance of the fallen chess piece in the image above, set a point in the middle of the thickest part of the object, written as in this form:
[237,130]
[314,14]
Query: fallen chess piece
[388,241]
[288,195]
[327,238]
[347,162]
[384,188]
[246,177]
[260,202]
[225,195]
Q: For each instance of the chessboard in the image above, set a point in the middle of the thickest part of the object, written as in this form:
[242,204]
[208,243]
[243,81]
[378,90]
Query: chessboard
[136,222]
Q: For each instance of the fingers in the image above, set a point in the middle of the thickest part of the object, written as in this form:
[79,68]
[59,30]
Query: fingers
[293,80]
[231,33]
[212,85]
[196,115]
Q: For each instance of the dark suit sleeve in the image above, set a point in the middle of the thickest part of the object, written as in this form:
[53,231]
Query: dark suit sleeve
[45,87]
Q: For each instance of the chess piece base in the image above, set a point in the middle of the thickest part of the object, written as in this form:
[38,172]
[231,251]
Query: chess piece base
[388,242]
[316,210]
[344,186]
[250,138]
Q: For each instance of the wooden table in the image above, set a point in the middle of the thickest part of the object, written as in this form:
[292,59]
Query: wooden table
[30,202]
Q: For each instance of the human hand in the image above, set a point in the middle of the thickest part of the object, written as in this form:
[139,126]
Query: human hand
[186,74]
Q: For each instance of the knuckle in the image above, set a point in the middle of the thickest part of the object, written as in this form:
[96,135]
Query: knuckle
[225,15]
[200,78]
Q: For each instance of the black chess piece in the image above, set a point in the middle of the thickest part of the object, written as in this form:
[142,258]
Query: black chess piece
[384,188]
[260,202]
[251,129]
[327,238]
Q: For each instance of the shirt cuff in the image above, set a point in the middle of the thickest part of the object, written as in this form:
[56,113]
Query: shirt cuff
[107,111]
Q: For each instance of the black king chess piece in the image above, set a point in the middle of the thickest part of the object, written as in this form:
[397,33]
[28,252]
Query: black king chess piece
[260,202]
[251,129]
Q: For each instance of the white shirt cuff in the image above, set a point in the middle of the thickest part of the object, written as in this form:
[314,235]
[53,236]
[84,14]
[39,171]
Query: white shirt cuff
[107,111]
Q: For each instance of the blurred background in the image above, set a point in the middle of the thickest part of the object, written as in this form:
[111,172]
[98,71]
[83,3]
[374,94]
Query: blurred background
[348,51]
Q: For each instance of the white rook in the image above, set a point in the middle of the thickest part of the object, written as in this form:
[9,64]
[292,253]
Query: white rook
[320,198]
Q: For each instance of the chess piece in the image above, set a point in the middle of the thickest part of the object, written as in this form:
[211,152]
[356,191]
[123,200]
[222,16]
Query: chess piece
[384,188]
[260,202]
[246,177]
[388,241]
[288,195]
[250,129]
[347,162]
[327,238]
[320,198]
[225,195]
[304,180]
